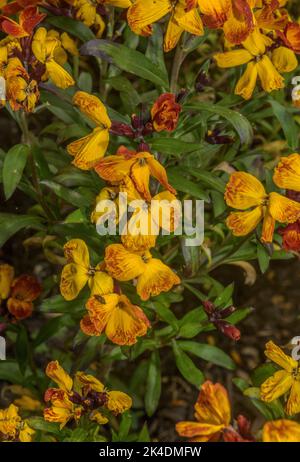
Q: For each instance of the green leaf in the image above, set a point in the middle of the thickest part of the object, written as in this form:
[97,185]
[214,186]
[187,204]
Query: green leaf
[11,224]
[210,180]
[172,146]
[263,257]
[236,119]
[49,329]
[182,184]
[125,426]
[144,436]
[85,82]
[225,297]
[22,349]
[38,423]
[153,388]
[70,196]
[10,372]
[127,59]
[13,166]
[72,26]
[186,366]
[262,373]
[287,122]
[208,352]
[57,304]
[164,313]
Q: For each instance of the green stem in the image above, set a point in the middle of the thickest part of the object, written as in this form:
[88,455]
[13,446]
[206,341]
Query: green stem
[179,57]
[27,139]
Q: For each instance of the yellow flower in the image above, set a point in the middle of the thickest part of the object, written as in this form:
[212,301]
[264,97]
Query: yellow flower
[44,47]
[212,414]
[287,172]
[87,151]
[281,431]
[261,63]
[12,428]
[113,314]
[139,166]
[153,276]
[6,278]
[84,395]
[287,379]
[243,192]
[184,17]
[22,93]
[77,272]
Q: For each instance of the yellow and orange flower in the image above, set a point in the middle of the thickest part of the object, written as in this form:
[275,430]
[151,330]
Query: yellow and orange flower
[24,290]
[85,395]
[44,46]
[78,272]
[281,431]
[152,275]
[212,414]
[287,172]
[12,427]
[185,16]
[87,151]
[235,17]
[287,379]
[243,192]
[139,166]
[22,93]
[29,18]
[165,113]
[113,314]
[262,61]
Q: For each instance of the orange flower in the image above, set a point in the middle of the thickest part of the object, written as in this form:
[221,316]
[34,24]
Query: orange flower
[235,17]
[291,237]
[29,18]
[212,414]
[6,277]
[291,36]
[24,290]
[113,314]
[244,191]
[281,431]
[153,276]
[138,165]
[165,113]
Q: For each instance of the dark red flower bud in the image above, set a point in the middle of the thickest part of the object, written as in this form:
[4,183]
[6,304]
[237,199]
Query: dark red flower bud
[202,81]
[143,147]
[294,195]
[181,95]
[118,128]
[148,129]
[229,330]
[244,426]
[291,237]
[209,307]
[227,311]
[136,122]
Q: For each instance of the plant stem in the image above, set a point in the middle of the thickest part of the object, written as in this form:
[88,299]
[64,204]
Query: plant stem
[179,57]
[34,174]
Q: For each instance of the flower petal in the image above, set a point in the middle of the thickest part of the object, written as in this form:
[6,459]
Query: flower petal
[243,223]
[287,172]
[275,354]
[233,58]
[276,385]
[156,278]
[281,431]
[92,107]
[118,402]
[122,264]
[284,59]
[73,279]
[244,191]
[56,373]
[145,12]
[270,78]
[247,83]
[283,209]
[87,151]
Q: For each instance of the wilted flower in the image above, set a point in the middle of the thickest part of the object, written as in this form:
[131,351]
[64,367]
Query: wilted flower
[165,113]
[212,414]
[24,290]
[87,151]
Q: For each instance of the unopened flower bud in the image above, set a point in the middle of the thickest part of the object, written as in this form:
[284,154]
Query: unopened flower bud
[228,330]
[209,307]
[121,129]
